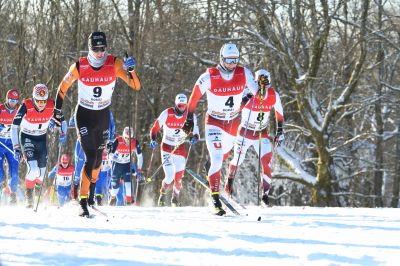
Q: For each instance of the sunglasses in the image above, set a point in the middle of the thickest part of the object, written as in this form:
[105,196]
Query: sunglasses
[12,101]
[231,60]
[97,49]
[41,101]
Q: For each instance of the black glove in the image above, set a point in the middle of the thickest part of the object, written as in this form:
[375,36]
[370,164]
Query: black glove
[58,117]
[110,146]
[189,124]
[279,135]
[246,99]
[263,81]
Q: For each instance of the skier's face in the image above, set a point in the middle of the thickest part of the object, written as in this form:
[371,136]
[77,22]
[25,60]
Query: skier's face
[181,107]
[231,62]
[99,51]
[12,103]
[40,104]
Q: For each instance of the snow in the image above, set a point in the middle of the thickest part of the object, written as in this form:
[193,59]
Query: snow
[193,236]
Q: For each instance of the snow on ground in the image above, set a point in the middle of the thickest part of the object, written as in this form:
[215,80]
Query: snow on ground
[192,236]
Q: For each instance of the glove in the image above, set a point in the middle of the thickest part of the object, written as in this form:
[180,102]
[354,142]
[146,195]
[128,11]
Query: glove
[245,100]
[110,146]
[278,137]
[17,153]
[189,124]
[57,116]
[62,138]
[194,139]
[72,122]
[52,124]
[153,144]
[139,175]
[263,81]
[129,64]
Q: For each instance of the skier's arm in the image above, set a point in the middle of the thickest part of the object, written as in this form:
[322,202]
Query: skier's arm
[65,84]
[196,131]
[16,123]
[139,156]
[134,81]
[112,127]
[158,124]
[202,85]
[52,173]
[251,84]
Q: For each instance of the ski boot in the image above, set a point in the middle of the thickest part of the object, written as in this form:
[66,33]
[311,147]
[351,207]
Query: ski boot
[29,198]
[76,186]
[84,212]
[217,205]
[265,200]
[99,200]
[13,198]
[162,200]
[113,201]
[90,200]
[175,200]
[229,187]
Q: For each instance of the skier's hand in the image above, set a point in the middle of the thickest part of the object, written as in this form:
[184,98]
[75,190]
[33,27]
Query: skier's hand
[189,124]
[245,100]
[263,81]
[62,138]
[71,122]
[129,64]
[279,137]
[52,124]
[109,146]
[194,139]
[153,144]
[17,153]
[58,117]
[139,175]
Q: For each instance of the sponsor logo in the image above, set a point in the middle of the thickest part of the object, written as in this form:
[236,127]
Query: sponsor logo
[97,79]
[228,89]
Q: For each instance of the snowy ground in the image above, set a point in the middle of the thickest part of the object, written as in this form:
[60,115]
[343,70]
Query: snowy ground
[192,236]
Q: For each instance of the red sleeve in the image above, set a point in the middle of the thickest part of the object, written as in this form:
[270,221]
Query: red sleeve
[194,99]
[154,130]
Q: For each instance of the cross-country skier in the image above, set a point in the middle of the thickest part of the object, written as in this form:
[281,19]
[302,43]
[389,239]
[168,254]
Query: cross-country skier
[254,120]
[224,86]
[171,121]
[33,118]
[96,74]
[8,110]
[121,166]
[63,172]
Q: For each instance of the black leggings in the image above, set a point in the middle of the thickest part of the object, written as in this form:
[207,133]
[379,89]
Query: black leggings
[93,130]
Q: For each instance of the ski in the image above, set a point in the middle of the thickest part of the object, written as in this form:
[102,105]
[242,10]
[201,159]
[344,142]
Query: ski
[205,184]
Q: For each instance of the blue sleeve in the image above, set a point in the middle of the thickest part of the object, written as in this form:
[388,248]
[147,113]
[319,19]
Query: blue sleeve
[52,173]
[112,127]
[138,149]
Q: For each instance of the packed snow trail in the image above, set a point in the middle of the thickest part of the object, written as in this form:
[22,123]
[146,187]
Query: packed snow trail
[193,236]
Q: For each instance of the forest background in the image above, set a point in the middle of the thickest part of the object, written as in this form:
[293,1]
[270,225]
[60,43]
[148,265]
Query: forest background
[334,63]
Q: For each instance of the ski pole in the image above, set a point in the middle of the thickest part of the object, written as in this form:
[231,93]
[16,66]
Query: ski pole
[165,160]
[5,146]
[128,76]
[261,96]
[244,135]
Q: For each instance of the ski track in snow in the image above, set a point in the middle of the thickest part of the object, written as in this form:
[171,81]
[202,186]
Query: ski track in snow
[193,236]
